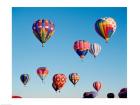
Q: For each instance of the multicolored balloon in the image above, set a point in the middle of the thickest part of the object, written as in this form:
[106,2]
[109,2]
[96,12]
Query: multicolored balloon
[43,30]
[81,47]
[95,49]
[59,81]
[74,78]
[97,85]
[42,72]
[25,78]
[105,27]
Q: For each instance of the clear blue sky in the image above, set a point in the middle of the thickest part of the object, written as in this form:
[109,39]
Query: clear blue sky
[71,24]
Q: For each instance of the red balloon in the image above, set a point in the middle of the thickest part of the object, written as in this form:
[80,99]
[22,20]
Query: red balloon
[42,72]
[16,97]
[59,81]
[81,47]
[97,85]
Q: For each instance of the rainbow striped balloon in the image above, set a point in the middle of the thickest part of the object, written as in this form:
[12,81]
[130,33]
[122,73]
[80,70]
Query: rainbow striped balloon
[105,27]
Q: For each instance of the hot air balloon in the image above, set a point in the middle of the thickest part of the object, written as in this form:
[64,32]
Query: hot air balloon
[25,78]
[43,30]
[74,78]
[97,85]
[59,81]
[110,95]
[95,49]
[91,94]
[42,72]
[105,27]
[123,93]
[81,47]
[16,97]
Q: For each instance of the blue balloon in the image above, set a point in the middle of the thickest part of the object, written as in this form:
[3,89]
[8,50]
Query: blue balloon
[24,78]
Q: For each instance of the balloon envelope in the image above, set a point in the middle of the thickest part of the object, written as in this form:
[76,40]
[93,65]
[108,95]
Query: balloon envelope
[95,49]
[59,81]
[91,94]
[97,85]
[74,78]
[81,47]
[25,78]
[110,95]
[123,93]
[42,72]
[16,97]
[105,27]
[43,30]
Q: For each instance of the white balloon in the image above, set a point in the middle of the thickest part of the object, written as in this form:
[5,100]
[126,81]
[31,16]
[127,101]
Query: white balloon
[95,49]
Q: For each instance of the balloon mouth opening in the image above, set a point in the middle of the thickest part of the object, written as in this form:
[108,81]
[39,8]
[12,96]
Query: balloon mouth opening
[106,40]
[82,56]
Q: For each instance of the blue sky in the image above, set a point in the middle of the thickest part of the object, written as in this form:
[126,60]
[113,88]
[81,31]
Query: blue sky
[71,24]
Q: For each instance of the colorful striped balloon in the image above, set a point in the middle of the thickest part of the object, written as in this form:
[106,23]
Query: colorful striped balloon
[81,47]
[59,81]
[95,49]
[74,78]
[42,72]
[105,27]
[43,30]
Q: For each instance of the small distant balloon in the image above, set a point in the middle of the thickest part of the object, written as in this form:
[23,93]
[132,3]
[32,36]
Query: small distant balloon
[74,78]
[25,78]
[110,95]
[97,85]
[95,49]
[42,72]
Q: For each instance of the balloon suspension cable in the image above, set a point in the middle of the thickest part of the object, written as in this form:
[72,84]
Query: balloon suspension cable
[82,59]
[42,44]
[43,81]
[25,85]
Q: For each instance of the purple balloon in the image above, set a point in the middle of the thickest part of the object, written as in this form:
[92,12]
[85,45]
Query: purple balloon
[91,94]
[123,93]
